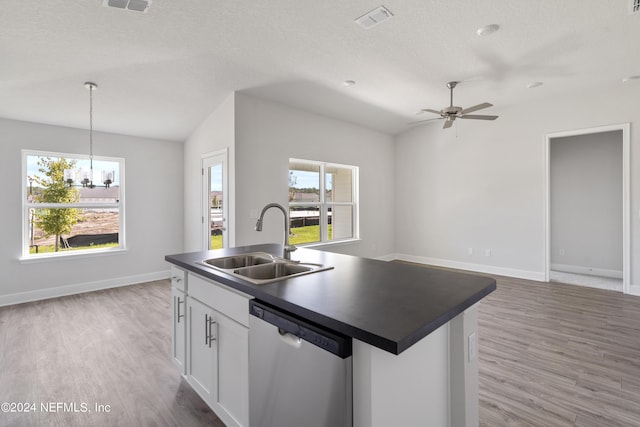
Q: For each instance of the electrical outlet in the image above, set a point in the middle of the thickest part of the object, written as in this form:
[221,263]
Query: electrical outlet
[561,252]
[487,252]
[473,347]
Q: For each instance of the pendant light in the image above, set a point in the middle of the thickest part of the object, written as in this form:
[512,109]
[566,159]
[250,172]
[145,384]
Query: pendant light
[86,176]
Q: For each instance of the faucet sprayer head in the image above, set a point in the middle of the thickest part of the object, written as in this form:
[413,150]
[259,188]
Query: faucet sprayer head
[259,225]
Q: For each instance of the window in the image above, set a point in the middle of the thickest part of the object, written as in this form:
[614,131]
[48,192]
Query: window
[323,202]
[71,204]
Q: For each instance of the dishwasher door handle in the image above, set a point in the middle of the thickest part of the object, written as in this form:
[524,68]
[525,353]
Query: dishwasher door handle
[290,339]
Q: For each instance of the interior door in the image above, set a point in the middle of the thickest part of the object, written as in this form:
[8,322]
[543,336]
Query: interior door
[214,218]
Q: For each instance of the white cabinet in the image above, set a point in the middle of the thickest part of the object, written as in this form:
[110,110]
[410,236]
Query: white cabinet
[232,398]
[201,350]
[218,348]
[179,324]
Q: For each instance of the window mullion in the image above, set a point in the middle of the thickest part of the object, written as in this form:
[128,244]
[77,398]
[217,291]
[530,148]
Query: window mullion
[324,234]
[73,205]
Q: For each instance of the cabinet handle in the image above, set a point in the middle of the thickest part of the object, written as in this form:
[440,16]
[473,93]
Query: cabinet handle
[206,329]
[178,307]
[176,278]
[208,323]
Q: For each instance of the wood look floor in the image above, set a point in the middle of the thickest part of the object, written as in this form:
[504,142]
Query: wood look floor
[558,355]
[108,347]
[550,355]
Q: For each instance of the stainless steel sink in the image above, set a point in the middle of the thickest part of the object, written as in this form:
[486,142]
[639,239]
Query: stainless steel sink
[238,261]
[261,268]
[272,271]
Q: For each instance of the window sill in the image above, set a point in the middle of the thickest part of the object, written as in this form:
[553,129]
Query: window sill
[60,256]
[333,243]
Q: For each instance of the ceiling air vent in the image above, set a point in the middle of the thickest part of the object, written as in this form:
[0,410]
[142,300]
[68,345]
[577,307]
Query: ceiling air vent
[133,5]
[634,6]
[374,17]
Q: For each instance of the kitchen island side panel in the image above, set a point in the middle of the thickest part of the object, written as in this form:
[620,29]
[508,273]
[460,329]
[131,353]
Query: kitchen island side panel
[409,389]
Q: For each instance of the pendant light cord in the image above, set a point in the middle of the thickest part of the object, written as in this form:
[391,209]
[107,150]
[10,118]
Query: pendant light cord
[91,131]
[91,86]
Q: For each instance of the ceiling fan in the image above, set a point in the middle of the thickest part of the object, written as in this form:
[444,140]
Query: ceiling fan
[453,112]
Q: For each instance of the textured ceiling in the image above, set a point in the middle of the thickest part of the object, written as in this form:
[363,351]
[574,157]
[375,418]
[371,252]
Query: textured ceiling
[161,73]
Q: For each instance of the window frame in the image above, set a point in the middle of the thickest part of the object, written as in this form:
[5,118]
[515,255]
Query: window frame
[27,206]
[323,205]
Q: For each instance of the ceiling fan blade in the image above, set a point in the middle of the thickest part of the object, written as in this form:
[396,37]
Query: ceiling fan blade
[422,121]
[429,110]
[477,107]
[447,124]
[478,117]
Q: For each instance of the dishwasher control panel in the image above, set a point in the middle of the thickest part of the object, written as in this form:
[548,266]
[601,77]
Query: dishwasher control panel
[329,340]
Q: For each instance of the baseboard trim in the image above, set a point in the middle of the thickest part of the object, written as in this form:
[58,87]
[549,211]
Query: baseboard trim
[79,288]
[589,271]
[388,257]
[634,290]
[479,268]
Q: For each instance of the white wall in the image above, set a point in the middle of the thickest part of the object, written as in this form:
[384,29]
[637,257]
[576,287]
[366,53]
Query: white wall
[268,134]
[215,133]
[482,186]
[586,203]
[154,214]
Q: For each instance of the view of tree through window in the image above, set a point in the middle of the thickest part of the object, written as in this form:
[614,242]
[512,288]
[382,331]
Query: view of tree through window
[69,208]
[322,202]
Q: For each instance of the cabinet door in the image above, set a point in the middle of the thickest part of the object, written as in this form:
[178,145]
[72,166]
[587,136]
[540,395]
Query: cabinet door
[178,344]
[232,398]
[201,350]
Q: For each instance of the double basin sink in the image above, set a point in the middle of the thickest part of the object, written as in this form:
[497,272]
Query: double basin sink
[261,268]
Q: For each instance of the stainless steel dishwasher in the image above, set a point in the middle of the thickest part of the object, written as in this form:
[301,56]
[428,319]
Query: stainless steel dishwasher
[299,373]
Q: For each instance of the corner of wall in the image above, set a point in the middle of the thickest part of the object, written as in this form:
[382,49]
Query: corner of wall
[216,132]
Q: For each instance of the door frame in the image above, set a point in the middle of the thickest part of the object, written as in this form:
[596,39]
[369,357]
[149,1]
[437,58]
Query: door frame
[626,196]
[206,160]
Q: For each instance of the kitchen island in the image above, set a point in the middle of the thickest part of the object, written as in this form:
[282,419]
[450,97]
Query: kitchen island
[413,329]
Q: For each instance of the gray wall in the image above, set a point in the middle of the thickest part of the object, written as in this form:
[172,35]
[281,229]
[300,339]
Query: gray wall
[481,185]
[261,136]
[268,134]
[154,213]
[586,203]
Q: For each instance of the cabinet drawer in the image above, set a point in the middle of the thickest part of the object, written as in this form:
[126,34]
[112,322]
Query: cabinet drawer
[228,301]
[178,278]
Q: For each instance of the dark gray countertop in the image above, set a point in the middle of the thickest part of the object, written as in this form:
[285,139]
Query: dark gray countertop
[386,304]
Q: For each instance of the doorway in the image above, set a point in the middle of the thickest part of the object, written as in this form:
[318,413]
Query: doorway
[215,201]
[578,245]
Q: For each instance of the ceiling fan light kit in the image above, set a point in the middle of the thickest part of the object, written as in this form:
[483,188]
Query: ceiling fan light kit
[453,112]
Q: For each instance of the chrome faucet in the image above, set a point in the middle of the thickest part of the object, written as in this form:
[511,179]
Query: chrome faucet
[287,247]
